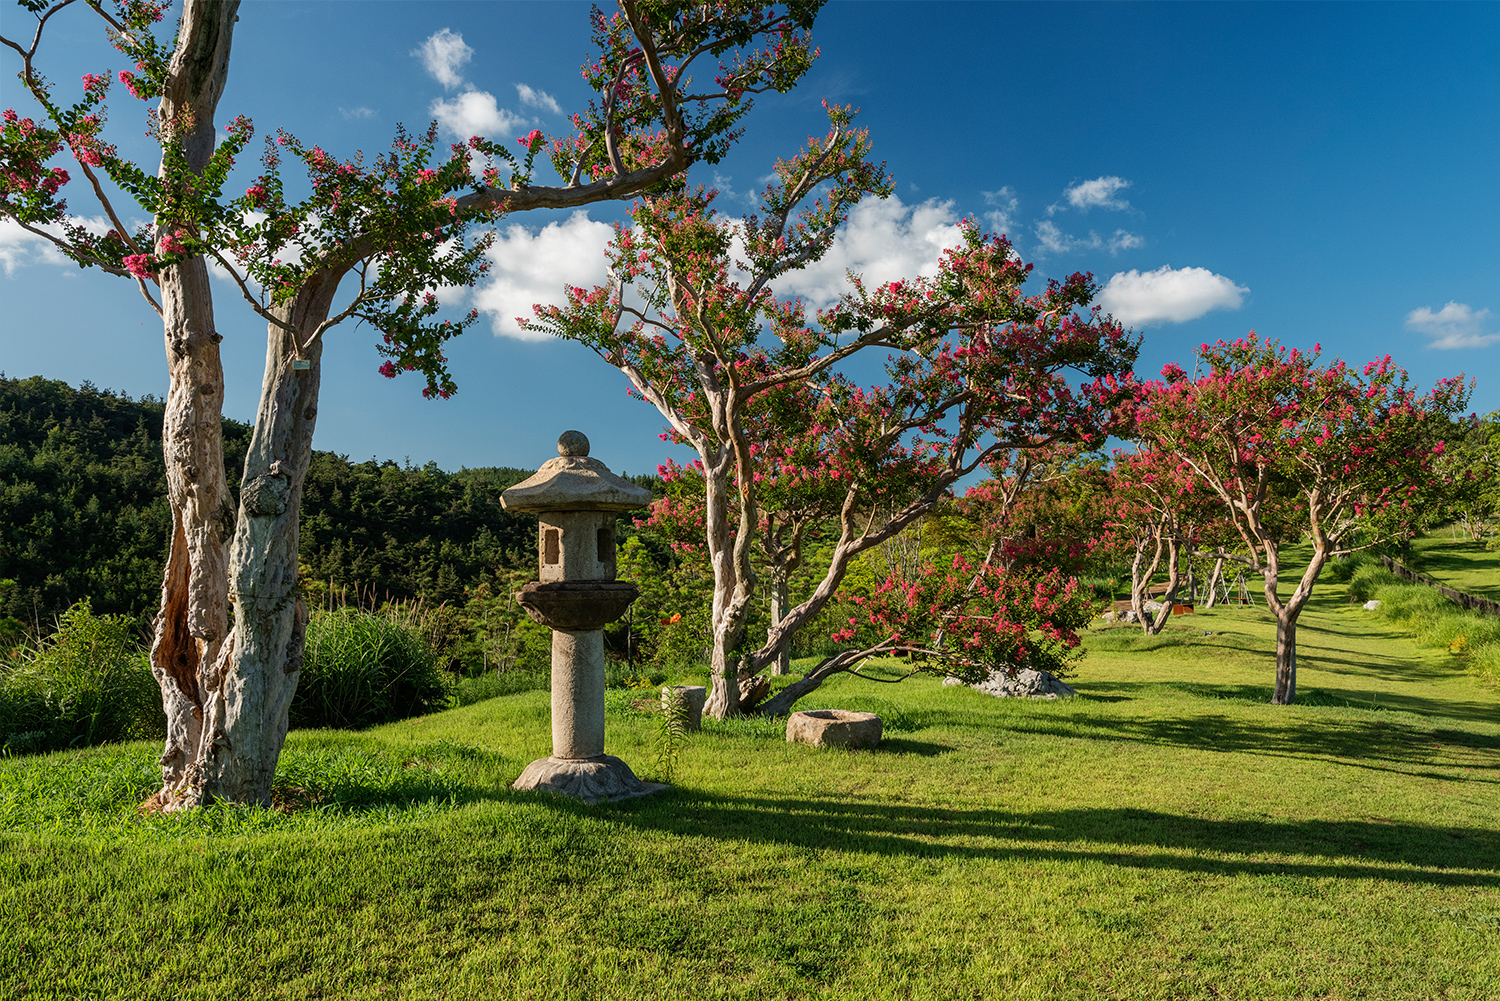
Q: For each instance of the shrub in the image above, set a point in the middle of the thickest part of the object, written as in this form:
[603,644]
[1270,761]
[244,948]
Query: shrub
[363,668]
[1404,603]
[1367,579]
[88,683]
[1343,569]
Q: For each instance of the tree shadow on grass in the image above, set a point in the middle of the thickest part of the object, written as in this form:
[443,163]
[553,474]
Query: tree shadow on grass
[1376,742]
[1125,837]
[921,748]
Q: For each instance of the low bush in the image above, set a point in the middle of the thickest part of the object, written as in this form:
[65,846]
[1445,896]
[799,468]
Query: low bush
[1368,578]
[363,668]
[88,683]
[1343,569]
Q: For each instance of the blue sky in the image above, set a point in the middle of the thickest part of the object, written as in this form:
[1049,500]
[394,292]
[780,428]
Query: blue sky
[1318,173]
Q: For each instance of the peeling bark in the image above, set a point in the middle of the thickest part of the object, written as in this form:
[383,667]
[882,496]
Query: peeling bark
[782,665]
[193,622]
[249,692]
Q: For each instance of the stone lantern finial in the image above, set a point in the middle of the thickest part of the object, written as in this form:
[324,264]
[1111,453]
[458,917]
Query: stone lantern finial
[573,443]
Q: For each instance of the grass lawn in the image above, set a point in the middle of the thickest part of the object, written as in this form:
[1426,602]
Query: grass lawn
[1459,563]
[1168,834]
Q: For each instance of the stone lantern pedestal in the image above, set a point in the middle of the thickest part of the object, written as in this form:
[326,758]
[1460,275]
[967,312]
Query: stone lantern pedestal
[576,499]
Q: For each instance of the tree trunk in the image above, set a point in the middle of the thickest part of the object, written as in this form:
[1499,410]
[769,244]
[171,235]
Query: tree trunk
[1286,660]
[1286,621]
[1214,582]
[1140,582]
[247,692]
[731,595]
[1154,624]
[782,665]
[193,621]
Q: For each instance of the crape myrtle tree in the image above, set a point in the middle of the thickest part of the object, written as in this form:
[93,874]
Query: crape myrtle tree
[975,367]
[1293,448]
[798,496]
[1040,507]
[372,241]
[1159,510]
[1470,470]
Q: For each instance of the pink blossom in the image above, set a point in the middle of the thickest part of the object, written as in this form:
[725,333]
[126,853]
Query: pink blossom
[138,265]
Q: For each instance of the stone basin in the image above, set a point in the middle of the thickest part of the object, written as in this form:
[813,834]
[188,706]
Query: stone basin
[577,604]
[833,728]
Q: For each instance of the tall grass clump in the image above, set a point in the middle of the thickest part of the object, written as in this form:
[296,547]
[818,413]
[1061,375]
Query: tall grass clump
[1343,569]
[362,668]
[1437,622]
[1367,578]
[88,683]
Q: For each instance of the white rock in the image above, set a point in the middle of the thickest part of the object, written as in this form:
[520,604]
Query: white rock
[1024,684]
[1371,605]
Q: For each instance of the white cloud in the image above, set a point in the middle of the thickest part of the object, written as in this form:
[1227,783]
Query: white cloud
[1096,194]
[1052,240]
[533,266]
[881,241]
[1003,205]
[18,248]
[538,99]
[475,113]
[1456,325]
[357,113]
[1124,241]
[1147,299]
[443,54]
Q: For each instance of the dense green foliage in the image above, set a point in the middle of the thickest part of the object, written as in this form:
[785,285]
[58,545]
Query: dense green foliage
[83,503]
[88,683]
[1472,637]
[361,668]
[83,513]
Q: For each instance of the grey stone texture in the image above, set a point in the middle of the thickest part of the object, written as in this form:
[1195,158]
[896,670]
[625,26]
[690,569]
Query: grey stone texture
[585,604]
[602,779]
[833,728]
[1024,684]
[575,482]
[693,696]
[577,693]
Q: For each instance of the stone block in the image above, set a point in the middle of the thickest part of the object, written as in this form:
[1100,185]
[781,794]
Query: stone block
[693,696]
[833,728]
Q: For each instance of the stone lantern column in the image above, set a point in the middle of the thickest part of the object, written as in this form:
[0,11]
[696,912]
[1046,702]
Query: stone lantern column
[576,499]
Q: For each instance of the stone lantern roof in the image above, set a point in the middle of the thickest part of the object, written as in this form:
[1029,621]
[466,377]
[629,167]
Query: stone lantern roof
[574,482]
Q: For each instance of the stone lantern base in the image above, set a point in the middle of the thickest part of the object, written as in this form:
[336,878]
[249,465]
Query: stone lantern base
[601,779]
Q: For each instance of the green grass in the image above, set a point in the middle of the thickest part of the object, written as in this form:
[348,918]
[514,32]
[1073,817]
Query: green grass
[1457,563]
[1167,835]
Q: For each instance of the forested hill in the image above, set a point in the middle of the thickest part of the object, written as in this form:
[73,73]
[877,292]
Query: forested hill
[83,510]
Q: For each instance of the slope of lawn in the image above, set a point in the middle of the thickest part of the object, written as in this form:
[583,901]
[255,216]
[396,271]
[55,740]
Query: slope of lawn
[1166,835]
[1460,563]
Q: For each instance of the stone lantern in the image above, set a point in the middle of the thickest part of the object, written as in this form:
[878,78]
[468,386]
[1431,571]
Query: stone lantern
[576,499]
